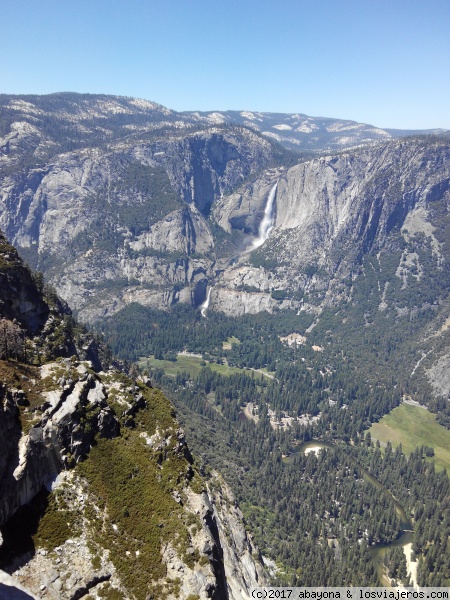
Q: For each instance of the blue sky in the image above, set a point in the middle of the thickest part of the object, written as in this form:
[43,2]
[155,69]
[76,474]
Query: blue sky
[384,62]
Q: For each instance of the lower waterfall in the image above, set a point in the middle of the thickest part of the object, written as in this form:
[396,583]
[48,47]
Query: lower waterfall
[205,305]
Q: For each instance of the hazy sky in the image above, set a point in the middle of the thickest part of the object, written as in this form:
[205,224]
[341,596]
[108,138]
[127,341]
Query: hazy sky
[384,62]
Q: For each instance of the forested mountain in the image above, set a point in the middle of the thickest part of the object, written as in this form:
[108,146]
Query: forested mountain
[277,297]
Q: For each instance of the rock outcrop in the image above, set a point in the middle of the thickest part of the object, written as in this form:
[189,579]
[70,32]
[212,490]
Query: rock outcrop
[59,430]
[217,561]
[243,563]
[153,245]
[19,296]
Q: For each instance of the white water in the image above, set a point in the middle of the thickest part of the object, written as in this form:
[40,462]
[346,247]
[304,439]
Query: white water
[204,307]
[267,223]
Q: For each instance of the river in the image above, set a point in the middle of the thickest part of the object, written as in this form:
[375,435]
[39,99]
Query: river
[377,552]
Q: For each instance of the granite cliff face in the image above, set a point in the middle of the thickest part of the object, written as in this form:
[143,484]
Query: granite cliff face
[118,200]
[19,297]
[84,452]
[330,213]
[127,222]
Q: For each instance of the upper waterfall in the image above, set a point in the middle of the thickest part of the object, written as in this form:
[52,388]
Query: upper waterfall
[267,222]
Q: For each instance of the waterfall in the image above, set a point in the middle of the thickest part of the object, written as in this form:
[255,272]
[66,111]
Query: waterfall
[205,305]
[267,222]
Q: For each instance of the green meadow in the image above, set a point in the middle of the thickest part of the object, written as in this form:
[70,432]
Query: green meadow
[414,426]
[230,341]
[193,365]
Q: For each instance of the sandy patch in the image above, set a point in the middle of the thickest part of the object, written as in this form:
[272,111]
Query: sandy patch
[411,565]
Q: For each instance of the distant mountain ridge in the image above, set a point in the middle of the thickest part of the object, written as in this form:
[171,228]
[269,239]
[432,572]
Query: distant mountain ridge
[302,132]
[116,116]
